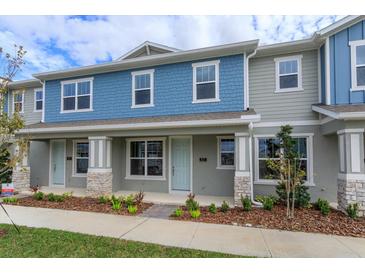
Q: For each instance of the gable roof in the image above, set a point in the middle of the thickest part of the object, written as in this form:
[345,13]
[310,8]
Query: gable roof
[147,48]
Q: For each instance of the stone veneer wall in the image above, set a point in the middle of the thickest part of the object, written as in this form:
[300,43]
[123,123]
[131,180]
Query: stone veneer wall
[242,186]
[99,183]
[349,192]
[21,178]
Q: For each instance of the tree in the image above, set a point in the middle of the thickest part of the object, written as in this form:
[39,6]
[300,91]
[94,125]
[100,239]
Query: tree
[10,64]
[289,167]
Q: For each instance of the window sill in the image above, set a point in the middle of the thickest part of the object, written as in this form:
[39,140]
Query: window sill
[206,101]
[146,178]
[226,167]
[37,110]
[79,175]
[75,111]
[288,90]
[275,183]
[361,88]
[143,106]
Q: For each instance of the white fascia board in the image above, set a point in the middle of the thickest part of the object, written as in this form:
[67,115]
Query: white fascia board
[179,124]
[340,115]
[326,112]
[340,25]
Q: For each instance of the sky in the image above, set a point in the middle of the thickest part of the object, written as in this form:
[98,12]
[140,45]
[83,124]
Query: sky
[60,42]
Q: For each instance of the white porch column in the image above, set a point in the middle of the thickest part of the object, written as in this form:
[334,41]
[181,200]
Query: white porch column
[351,176]
[21,172]
[242,178]
[100,173]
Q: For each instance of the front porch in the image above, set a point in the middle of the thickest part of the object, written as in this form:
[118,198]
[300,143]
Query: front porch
[150,197]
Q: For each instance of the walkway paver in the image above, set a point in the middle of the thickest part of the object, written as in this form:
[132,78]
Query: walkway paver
[222,238]
[159,211]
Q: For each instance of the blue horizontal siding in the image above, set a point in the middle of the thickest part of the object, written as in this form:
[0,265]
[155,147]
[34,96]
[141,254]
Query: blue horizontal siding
[323,75]
[340,65]
[173,84]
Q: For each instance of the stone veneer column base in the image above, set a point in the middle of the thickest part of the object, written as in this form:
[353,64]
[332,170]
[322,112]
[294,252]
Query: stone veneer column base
[21,179]
[351,191]
[242,186]
[99,183]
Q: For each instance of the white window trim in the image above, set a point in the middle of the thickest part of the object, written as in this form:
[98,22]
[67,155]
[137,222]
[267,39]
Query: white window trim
[35,100]
[203,64]
[297,58]
[146,177]
[76,81]
[16,93]
[354,45]
[308,136]
[219,164]
[151,72]
[74,142]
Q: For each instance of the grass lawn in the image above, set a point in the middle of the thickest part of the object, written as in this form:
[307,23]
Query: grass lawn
[42,242]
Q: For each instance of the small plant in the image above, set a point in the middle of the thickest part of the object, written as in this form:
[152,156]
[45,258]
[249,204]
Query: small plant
[103,199]
[191,203]
[58,198]
[38,196]
[116,203]
[212,208]
[129,200]
[51,197]
[261,198]
[323,206]
[67,195]
[10,200]
[352,210]
[267,202]
[246,203]
[224,206]
[138,198]
[195,213]
[178,212]
[132,209]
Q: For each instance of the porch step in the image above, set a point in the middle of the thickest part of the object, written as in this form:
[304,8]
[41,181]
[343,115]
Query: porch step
[159,211]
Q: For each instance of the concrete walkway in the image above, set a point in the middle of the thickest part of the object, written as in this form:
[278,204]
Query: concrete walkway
[213,237]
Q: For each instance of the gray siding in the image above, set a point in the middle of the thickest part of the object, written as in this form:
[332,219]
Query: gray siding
[39,163]
[278,106]
[29,115]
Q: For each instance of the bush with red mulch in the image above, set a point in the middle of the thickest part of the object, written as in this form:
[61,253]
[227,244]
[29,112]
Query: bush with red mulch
[306,220]
[79,204]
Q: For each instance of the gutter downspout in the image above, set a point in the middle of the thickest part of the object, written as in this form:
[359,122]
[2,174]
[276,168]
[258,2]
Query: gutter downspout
[246,84]
[43,100]
[250,130]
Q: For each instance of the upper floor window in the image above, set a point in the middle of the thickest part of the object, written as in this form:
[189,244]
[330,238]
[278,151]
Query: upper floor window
[77,95]
[358,64]
[142,88]
[18,102]
[206,82]
[288,71]
[226,152]
[38,100]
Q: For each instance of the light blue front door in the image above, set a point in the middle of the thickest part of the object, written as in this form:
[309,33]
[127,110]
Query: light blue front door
[180,164]
[58,163]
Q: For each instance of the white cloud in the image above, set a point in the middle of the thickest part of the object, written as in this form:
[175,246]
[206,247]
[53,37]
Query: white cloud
[57,42]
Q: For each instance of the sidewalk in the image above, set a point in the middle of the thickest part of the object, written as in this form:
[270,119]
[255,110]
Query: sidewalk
[213,237]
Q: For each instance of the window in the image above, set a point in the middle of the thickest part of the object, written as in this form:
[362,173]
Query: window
[206,82]
[18,102]
[145,158]
[81,157]
[226,149]
[38,100]
[269,148]
[142,88]
[288,72]
[77,95]
[358,65]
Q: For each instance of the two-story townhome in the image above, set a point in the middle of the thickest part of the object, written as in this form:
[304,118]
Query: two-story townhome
[165,120]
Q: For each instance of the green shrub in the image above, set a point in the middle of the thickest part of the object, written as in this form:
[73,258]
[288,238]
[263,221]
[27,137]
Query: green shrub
[67,195]
[10,200]
[129,200]
[267,202]
[103,199]
[224,206]
[132,209]
[323,206]
[38,195]
[116,203]
[246,203]
[178,212]
[352,210]
[262,198]
[59,198]
[51,197]
[191,203]
[212,208]
[302,196]
[195,213]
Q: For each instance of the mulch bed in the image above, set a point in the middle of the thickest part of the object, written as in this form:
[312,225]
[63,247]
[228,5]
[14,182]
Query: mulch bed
[79,204]
[306,220]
